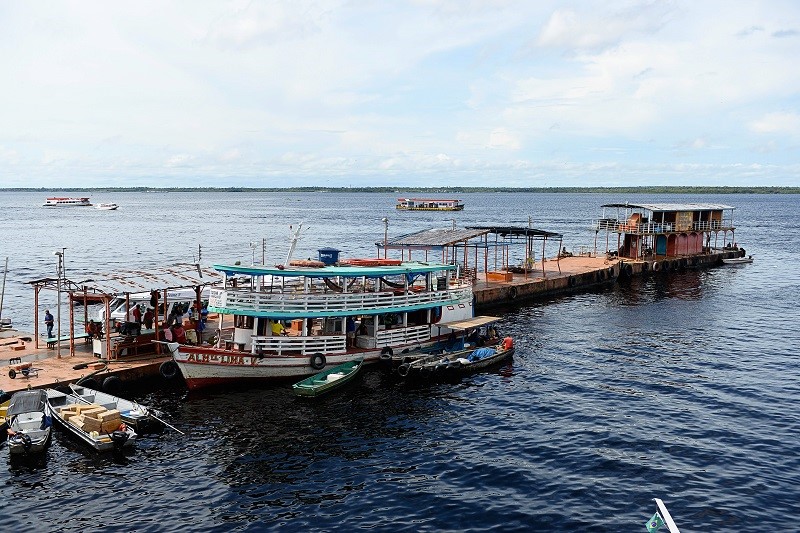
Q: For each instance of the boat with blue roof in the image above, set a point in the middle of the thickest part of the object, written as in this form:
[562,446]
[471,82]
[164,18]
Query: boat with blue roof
[294,320]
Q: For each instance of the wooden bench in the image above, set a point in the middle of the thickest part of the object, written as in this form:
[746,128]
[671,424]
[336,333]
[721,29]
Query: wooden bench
[52,341]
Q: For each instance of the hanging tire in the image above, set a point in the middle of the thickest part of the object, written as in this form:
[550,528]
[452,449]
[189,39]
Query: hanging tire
[387,350]
[512,293]
[402,370]
[317,361]
[645,266]
[112,385]
[89,383]
[571,281]
[656,266]
[168,369]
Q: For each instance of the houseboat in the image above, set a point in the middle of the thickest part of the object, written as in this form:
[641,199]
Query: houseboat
[643,231]
[429,204]
[334,314]
[66,202]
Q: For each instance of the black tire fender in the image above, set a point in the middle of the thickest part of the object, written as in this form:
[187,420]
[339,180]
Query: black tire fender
[512,293]
[112,385]
[571,281]
[317,361]
[168,369]
[402,370]
[387,350]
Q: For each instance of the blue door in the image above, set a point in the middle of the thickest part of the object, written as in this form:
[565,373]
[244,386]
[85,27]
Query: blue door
[661,245]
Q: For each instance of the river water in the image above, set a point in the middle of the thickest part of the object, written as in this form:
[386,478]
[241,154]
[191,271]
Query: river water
[681,386]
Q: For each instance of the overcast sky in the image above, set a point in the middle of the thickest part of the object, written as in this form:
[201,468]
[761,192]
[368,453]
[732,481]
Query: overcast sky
[378,93]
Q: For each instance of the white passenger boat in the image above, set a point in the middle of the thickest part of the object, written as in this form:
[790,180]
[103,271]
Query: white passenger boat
[429,204]
[397,307]
[57,201]
[106,206]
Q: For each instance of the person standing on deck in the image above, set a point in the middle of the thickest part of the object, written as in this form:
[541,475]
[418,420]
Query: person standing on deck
[137,314]
[48,321]
[351,332]
[148,319]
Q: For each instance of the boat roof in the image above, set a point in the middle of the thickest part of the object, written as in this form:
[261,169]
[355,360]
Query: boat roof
[334,271]
[473,322]
[27,402]
[657,208]
[426,200]
[516,230]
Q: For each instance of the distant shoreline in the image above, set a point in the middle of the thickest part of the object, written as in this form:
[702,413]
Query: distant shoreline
[652,189]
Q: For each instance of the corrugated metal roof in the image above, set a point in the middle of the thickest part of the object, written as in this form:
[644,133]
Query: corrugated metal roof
[335,271]
[436,237]
[657,208]
[183,275]
[517,231]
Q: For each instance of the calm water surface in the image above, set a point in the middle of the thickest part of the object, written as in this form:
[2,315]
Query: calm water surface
[683,387]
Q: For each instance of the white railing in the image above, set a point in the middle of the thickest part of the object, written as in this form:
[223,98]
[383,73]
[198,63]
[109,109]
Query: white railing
[623,226]
[302,303]
[400,336]
[280,345]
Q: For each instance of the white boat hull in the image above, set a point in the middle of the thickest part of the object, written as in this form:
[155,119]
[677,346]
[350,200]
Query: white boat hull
[101,442]
[206,367]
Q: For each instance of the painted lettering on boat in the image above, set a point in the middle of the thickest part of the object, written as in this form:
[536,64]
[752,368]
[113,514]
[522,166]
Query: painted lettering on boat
[224,359]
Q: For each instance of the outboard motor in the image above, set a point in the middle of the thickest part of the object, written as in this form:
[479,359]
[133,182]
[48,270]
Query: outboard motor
[119,438]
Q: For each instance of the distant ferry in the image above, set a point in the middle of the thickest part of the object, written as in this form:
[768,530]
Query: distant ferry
[66,202]
[429,204]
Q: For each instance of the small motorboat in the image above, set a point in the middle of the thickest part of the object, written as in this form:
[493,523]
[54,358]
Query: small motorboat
[106,206]
[456,364]
[738,260]
[328,380]
[140,417]
[94,424]
[29,423]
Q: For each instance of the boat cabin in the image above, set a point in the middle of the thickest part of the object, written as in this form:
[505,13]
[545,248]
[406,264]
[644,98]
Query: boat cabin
[666,230]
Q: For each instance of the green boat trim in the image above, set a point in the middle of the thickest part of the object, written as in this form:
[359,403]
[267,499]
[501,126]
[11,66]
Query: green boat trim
[320,383]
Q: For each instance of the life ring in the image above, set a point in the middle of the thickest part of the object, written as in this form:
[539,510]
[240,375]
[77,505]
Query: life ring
[112,385]
[317,361]
[168,369]
[656,266]
[512,293]
[571,281]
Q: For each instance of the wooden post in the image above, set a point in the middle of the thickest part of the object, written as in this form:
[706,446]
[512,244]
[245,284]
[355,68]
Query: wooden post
[36,315]
[71,324]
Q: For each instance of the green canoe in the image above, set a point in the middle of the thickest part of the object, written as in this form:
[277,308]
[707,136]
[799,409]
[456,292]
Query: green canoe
[328,380]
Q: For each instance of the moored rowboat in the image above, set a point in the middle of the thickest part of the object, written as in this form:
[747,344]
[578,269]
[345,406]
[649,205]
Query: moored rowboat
[100,428]
[328,380]
[139,416]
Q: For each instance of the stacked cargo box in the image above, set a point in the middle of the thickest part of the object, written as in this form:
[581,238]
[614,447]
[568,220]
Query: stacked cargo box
[92,417]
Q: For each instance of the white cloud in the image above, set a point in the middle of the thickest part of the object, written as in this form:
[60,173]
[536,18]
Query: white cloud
[788,123]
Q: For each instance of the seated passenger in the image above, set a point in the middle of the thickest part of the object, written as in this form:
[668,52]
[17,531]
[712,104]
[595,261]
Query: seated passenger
[278,329]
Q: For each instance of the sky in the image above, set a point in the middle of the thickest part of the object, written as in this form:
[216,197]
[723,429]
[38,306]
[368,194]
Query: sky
[428,93]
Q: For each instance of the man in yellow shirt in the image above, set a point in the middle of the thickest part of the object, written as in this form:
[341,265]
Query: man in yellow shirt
[278,329]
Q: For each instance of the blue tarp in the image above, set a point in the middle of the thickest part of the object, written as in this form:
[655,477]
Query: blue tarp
[480,353]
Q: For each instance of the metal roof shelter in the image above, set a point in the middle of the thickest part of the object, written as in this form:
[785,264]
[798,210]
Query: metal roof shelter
[529,235]
[104,287]
[454,243]
[657,208]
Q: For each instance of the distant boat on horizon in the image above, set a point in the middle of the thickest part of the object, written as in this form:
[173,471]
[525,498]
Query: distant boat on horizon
[106,206]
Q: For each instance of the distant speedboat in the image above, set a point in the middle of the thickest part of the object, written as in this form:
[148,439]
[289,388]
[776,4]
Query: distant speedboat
[67,202]
[106,207]
[738,260]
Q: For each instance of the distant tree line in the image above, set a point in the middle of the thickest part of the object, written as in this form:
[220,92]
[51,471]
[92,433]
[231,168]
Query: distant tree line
[649,189]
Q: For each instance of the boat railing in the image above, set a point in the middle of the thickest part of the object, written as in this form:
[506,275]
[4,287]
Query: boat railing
[300,303]
[281,345]
[401,336]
